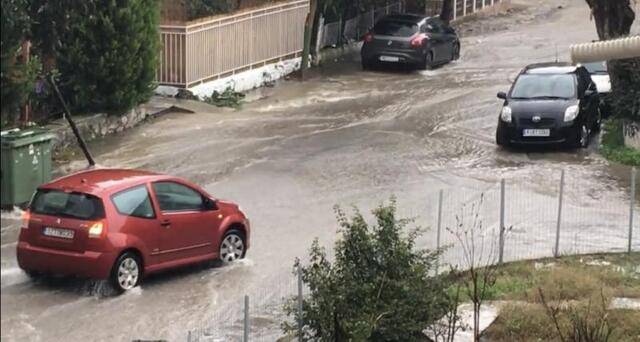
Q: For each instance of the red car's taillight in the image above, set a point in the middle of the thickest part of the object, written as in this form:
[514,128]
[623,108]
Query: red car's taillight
[98,229]
[368,38]
[26,217]
[418,41]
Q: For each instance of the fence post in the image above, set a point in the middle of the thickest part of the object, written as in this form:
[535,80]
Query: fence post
[438,234]
[464,8]
[483,3]
[632,201]
[319,39]
[455,9]
[501,245]
[300,320]
[246,319]
[556,251]
[474,6]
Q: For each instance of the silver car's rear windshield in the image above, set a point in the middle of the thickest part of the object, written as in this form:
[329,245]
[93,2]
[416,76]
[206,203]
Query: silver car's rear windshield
[596,67]
[395,28]
[544,86]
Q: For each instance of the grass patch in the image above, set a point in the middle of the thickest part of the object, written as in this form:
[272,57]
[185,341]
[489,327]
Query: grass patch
[530,322]
[613,147]
[576,284]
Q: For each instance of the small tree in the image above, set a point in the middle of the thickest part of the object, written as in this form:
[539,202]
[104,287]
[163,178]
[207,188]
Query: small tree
[379,288]
[106,51]
[480,258]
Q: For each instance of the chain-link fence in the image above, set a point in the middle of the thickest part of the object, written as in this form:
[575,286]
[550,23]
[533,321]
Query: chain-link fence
[520,221]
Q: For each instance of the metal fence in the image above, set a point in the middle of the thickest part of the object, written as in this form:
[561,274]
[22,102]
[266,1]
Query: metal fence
[520,222]
[345,31]
[201,51]
[461,8]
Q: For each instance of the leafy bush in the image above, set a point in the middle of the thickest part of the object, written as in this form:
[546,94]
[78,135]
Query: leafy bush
[204,8]
[379,288]
[228,98]
[106,51]
[17,79]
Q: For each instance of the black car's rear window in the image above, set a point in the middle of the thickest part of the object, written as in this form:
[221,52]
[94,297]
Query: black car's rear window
[395,28]
[544,86]
[67,204]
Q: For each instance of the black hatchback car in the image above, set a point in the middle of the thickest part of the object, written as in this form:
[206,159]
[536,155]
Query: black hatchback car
[551,103]
[421,41]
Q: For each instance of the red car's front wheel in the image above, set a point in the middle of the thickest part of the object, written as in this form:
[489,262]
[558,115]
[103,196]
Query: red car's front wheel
[232,247]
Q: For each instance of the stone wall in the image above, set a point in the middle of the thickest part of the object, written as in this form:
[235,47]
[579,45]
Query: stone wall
[94,126]
[631,132]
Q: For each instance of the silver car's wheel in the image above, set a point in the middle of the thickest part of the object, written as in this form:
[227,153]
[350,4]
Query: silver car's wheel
[232,247]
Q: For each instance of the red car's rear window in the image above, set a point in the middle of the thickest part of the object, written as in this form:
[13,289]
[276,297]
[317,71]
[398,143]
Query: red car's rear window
[67,204]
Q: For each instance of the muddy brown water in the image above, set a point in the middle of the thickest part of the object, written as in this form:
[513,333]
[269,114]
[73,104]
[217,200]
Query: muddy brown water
[343,137]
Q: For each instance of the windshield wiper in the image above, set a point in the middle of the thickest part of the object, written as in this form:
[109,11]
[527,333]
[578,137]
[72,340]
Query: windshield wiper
[548,98]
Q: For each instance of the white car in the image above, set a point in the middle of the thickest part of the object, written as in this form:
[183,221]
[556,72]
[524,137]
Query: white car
[600,76]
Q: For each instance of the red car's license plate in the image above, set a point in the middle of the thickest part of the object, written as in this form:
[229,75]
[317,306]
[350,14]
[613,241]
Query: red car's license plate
[57,232]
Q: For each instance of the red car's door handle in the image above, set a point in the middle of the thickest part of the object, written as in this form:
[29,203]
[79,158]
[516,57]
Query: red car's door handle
[165,223]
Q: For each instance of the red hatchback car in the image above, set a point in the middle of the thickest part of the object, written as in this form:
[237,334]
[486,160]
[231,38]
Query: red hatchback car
[123,224]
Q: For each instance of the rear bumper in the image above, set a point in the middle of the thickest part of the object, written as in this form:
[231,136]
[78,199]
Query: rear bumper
[46,260]
[371,55]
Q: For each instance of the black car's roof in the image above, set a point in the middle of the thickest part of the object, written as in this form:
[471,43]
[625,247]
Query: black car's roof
[414,18]
[550,68]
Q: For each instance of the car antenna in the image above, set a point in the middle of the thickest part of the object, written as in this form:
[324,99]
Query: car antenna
[556,53]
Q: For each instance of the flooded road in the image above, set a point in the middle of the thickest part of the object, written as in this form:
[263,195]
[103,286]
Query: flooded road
[343,137]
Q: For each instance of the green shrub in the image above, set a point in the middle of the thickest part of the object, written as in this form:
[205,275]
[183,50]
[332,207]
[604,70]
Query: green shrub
[613,147]
[17,79]
[379,288]
[105,51]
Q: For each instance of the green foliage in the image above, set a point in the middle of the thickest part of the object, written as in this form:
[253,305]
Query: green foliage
[204,8]
[625,79]
[379,287]
[106,51]
[17,78]
[613,147]
[228,98]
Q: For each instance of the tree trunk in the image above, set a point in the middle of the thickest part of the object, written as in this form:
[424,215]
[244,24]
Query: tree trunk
[308,29]
[447,11]
[613,17]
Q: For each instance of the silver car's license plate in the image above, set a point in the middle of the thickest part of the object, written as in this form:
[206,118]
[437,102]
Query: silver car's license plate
[57,232]
[389,58]
[536,132]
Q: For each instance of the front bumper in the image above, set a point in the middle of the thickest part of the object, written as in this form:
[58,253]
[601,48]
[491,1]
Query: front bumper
[560,133]
[87,264]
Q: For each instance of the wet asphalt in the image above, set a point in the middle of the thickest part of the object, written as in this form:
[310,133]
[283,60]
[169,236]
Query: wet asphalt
[343,137]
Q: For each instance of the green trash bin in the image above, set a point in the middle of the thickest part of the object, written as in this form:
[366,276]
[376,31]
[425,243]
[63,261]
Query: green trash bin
[26,163]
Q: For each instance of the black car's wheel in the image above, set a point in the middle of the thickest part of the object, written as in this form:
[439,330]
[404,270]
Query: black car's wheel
[501,139]
[126,272]
[598,122]
[427,64]
[366,65]
[582,141]
[233,246]
[455,53]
